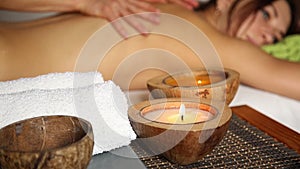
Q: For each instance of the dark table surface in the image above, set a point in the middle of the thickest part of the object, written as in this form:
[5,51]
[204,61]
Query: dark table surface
[252,140]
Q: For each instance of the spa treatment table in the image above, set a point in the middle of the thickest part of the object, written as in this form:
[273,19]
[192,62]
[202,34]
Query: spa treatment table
[253,140]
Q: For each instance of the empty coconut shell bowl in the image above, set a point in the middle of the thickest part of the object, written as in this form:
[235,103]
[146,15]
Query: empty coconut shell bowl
[46,142]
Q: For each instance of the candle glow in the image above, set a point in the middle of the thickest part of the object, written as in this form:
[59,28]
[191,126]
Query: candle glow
[194,79]
[181,115]
[199,82]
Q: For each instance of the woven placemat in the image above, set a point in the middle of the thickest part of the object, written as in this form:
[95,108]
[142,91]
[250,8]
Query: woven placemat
[243,146]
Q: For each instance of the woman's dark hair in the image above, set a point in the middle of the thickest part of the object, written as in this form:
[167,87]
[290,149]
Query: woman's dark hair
[295,13]
[241,9]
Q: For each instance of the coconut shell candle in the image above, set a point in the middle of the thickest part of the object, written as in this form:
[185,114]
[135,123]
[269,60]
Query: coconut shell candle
[182,134]
[205,84]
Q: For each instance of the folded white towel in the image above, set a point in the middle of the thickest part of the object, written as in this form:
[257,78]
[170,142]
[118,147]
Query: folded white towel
[103,104]
[51,81]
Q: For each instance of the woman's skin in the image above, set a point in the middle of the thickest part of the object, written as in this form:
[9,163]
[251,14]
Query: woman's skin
[53,45]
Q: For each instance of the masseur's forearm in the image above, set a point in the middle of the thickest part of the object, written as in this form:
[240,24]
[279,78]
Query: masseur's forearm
[39,5]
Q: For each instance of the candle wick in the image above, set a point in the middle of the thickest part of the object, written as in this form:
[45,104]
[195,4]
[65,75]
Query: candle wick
[182,111]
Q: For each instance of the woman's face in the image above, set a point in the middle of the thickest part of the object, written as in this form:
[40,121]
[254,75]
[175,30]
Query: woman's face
[268,25]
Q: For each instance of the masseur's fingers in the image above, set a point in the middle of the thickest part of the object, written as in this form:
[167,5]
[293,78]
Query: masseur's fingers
[132,20]
[141,5]
[113,14]
[114,9]
[138,8]
[117,24]
[145,11]
[189,4]
[153,17]
[124,10]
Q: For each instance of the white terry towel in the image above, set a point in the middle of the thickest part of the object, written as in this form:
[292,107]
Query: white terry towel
[51,81]
[103,104]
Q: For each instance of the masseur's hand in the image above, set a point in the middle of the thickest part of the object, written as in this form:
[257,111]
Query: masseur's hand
[114,9]
[189,4]
[108,9]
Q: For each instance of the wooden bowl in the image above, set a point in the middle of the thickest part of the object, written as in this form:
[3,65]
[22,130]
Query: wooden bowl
[46,142]
[180,143]
[203,84]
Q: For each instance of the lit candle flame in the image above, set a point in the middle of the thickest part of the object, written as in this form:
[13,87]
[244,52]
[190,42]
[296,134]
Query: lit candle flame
[199,82]
[182,111]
